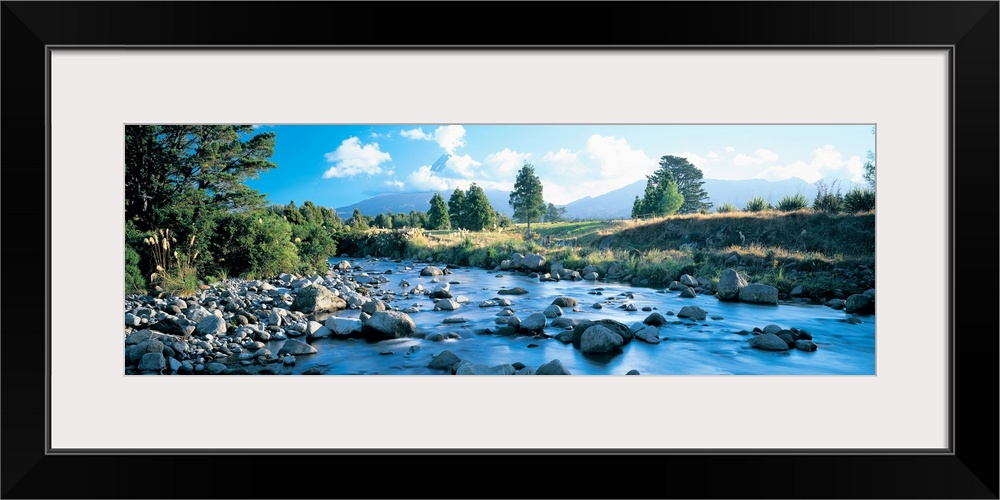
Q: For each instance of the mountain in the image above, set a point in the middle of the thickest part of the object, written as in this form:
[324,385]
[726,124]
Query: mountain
[421,202]
[617,204]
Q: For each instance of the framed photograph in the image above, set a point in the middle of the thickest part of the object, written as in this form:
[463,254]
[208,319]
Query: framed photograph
[829,385]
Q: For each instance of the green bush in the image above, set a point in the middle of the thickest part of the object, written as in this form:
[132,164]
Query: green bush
[253,245]
[726,207]
[757,204]
[859,200]
[135,281]
[792,203]
[828,199]
[315,246]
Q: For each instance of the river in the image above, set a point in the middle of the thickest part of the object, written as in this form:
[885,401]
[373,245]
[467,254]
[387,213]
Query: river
[708,347]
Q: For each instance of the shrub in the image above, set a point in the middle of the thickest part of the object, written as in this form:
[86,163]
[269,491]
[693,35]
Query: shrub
[726,207]
[135,282]
[315,246]
[859,200]
[792,203]
[757,204]
[828,199]
[253,245]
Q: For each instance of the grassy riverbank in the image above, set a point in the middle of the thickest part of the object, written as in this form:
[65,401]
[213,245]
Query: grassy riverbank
[824,253]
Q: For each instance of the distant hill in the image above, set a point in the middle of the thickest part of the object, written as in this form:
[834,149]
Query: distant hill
[617,204]
[421,202]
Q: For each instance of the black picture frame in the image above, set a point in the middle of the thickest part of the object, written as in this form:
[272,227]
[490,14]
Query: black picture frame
[970,28]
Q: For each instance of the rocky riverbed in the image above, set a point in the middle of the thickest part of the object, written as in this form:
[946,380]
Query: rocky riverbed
[381,316]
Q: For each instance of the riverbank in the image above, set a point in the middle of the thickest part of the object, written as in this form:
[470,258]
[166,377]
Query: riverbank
[384,316]
[809,254]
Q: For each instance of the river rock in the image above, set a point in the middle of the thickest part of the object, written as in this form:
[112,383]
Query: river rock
[288,360]
[320,332]
[444,361]
[388,325]
[373,306]
[343,326]
[211,325]
[758,293]
[648,334]
[488,303]
[655,319]
[730,285]
[535,322]
[837,304]
[565,302]
[455,319]
[296,347]
[772,329]
[446,305]
[674,286]
[768,342]
[469,368]
[174,326]
[532,262]
[563,322]
[621,329]
[694,312]
[591,276]
[860,304]
[554,367]
[688,280]
[431,271]
[805,345]
[598,305]
[317,298]
[553,311]
[798,291]
[512,291]
[688,293]
[512,321]
[566,337]
[598,339]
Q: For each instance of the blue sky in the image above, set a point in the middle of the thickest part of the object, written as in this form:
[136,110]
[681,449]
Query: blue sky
[337,165]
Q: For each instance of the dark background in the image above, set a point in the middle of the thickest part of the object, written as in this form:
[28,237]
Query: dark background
[971,472]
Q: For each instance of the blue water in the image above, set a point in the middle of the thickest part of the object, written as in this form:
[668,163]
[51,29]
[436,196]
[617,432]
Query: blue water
[706,347]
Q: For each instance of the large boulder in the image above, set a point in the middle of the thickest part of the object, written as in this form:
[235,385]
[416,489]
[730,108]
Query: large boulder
[648,334]
[655,319]
[532,262]
[512,291]
[447,305]
[553,311]
[444,361]
[730,285]
[152,361]
[860,304]
[688,280]
[211,325]
[599,339]
[565,302]
[174,326]
[296,348]
[535,322]
[317,298]
[385,325]
[758,293]
[373,306]
[621,329]
[469,368]
[344,326]
[554,367]
[694,312]
[768,342]
[431,271]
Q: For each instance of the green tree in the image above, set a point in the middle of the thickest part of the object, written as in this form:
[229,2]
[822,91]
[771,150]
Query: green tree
[689,179]
[384,221]
[554,213]
[253,245]
[869,174]
[418,219]
[357,221]
[636,208]
[315,245]
[477,211]
[661,196]
[456,204]
[195,170]
[437,216]
[292,214]
[526,199]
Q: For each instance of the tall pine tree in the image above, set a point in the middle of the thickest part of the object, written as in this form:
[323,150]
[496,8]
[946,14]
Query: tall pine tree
[689,179]
[526,199]
[437,216]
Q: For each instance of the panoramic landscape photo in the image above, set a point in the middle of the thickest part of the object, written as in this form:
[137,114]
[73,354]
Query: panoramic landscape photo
[471,249]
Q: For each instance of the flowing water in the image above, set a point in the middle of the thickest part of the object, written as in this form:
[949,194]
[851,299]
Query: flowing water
[706,347]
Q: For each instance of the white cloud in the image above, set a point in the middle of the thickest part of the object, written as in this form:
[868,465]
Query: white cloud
[376,135]
[462,165]
[395,183]
[712,155]
[415,134]
[826,162]
[352,158]
[424,179]
[449,137]
[759,157]
[604,164]
[730,149]
[506,161]
[695,158]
